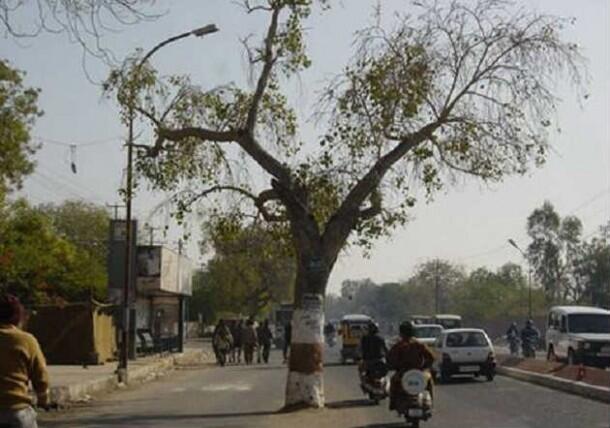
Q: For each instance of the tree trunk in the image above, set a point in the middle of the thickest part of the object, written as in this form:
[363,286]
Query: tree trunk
[305,385]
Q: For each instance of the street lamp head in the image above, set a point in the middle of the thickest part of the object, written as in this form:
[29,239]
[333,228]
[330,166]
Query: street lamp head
[202,31]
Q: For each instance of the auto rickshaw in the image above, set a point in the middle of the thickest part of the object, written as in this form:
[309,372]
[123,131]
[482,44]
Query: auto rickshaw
[352,328]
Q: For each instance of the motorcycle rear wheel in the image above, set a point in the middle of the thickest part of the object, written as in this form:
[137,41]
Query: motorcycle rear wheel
[413,423]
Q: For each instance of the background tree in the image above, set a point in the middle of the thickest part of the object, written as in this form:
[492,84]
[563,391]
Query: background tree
[41,266]
[18,111]
[84,224]
[251,268]
[460,88]
[555,250]
[593,268]
[434,283]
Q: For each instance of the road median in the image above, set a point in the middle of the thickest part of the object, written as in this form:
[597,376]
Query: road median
[587,382]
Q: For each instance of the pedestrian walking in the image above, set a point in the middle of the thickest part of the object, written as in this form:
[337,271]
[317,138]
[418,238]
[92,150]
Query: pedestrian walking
[265,338]
[222,342]
[287,340]
[249,341]
[21,362]
[237,333]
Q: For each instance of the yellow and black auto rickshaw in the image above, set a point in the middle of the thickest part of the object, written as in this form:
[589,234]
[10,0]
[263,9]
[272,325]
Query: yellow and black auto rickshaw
[353,327]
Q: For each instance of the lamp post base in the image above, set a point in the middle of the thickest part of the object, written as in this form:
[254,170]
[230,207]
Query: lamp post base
[122,375]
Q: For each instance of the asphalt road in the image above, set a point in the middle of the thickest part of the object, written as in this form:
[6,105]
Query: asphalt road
[251,396]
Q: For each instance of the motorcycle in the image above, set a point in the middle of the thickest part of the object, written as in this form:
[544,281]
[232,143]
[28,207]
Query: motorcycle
[513,344]
[529,347]
[373,380]
[413,400]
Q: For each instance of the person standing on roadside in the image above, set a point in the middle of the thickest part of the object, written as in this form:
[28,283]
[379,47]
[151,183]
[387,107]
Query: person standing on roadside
[237,333]
[21,362]
[287,339]
[265,338]
[249,341]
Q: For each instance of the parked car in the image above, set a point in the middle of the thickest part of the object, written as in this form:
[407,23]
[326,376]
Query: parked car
[578,334]
[427,333]
[464,351]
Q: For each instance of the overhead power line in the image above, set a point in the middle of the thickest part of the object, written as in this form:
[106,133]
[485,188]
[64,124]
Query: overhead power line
[45,140]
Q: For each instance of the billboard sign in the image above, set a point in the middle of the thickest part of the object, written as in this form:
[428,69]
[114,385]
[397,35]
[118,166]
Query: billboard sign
[161,270]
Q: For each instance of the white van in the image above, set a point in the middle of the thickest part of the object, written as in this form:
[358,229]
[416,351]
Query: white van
[579,334]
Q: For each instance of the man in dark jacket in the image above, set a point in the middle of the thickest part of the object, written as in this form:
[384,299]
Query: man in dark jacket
[373,350]
[287,340]
[265,338]
[249,341]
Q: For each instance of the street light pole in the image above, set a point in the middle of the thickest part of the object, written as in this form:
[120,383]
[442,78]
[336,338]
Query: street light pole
[529,277]
[124,352]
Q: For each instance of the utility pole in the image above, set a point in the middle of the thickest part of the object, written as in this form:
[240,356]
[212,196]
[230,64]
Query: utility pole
[437,288]
[181,302]
[198,32]
[529,277]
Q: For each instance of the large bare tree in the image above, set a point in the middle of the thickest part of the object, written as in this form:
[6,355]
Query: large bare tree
[460,88]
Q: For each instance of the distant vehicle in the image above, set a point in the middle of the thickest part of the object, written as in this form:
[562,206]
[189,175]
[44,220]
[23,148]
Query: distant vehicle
[353,327]
[579,334]
[421,319]
[427,333]
[281,316]
[448,320]
[464,351]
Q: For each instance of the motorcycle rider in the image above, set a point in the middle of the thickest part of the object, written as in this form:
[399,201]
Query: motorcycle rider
[406,355]
[372,346]
[329,333]
[512,335]
[530,336]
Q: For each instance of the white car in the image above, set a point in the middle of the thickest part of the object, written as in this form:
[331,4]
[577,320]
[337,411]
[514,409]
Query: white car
[464,351]
[427,333]
[579,334]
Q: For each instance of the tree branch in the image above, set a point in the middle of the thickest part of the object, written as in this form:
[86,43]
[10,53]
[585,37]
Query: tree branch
[259,201]
[177,135]
[264,158]
[342,222]
[375,208]
[268,62]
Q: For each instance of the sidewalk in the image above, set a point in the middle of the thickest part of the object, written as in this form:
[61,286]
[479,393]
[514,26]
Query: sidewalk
[71,384]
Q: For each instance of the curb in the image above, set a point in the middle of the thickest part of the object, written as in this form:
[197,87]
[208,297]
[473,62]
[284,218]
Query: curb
[82,392]
[577,388]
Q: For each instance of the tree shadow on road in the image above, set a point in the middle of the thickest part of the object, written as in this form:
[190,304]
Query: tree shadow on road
[339,364]
[114,420]
[458,381]
[348,404]
[387,425]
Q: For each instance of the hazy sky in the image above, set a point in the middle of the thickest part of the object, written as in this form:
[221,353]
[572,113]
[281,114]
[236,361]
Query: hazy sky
[468,224]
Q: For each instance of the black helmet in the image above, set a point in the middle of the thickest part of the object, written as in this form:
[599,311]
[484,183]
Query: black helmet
[373,327]
[406,329]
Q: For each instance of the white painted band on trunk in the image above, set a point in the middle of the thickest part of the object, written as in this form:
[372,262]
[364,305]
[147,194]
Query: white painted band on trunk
[305,389]
[307,326]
